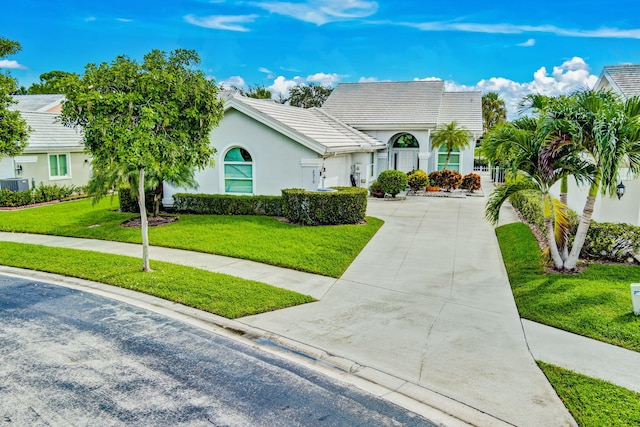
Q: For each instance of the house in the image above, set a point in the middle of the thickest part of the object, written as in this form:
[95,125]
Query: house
[404,116]
[362,129]
[55,153]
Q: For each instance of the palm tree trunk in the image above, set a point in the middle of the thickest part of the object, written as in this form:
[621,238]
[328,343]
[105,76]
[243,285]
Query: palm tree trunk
[583,227]
[564,189]
[446,162]
[553,247]
[144,224]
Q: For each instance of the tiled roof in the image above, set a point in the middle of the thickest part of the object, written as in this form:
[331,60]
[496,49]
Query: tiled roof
[463,107]
[48,134]
[38,103]
[383,104]
[624,78]
[324,132]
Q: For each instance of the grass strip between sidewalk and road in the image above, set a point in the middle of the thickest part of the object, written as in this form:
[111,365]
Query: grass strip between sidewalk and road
[216,293]
[325,250]
[593,402]
[595,303]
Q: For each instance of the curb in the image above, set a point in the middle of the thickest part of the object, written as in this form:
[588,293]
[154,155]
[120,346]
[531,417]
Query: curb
[432,405]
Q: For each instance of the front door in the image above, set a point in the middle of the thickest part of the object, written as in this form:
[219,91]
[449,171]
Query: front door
[407,159]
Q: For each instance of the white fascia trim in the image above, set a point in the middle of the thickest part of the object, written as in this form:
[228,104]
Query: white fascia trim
[311,162]
[400,127]
[275,125]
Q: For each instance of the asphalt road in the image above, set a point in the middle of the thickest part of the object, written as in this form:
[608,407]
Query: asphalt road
[73,358]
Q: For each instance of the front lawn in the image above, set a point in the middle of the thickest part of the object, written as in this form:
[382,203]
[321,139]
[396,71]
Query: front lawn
[593,402]
[326,250]
[595,303]
[216,293]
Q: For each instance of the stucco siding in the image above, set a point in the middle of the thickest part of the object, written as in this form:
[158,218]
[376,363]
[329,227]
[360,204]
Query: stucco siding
[38,172]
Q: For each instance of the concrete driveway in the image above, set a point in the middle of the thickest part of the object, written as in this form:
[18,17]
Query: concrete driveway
[428,301]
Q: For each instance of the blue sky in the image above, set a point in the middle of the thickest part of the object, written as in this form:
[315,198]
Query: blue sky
[513,48]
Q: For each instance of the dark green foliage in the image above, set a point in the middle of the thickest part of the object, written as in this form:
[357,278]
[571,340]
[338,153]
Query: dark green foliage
[14,131]
[613,242]
[392,181]
[224,204]
[348,205]
[450,179]
[530,207]
[471,182]
[129,202]
[417,179]
[435,179]
[42,194]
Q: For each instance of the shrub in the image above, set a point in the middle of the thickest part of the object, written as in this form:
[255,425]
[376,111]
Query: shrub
[11,199]
[225,204]
[450,179]
[129,204]
[435,179]
[417,180]
[471,182]
[613,242]
[530,207]
[41,194]
[375,187]
[392,181]
[348,205]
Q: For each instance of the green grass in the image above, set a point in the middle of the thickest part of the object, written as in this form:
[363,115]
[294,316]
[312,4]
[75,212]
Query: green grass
[216,293]
[595,303]
[325,250]
[593,402]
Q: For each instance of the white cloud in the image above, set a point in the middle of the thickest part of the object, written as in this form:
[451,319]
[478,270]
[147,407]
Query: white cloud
[281,86]
[324,79]
[368,80]
[574,74]
[233,81]
[264,70]
[322,11]
[6,63]
[221,22]
[126,20]
[633,33]
[89,19]
[528,43]
[426,79]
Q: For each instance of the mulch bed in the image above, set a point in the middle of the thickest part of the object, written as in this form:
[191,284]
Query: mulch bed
[154,221]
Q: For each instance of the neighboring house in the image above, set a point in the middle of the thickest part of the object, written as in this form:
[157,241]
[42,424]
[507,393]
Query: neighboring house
[361,130]
[55,153]
[625,81]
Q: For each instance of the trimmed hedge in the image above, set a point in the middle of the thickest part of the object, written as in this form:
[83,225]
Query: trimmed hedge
[392,181]
[604,241]
[41,194]
[223,204]
[348,205]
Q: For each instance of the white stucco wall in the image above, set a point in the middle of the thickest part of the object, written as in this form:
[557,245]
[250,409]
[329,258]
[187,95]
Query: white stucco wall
[6,168]
[35,168]
[277,160]
[606,208]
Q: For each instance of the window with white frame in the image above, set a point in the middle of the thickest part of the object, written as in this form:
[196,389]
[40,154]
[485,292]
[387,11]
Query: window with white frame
[59,165]
[454,159]
[372,164]
[238,171]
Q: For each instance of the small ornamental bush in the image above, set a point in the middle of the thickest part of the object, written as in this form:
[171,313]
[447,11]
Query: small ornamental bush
[348,205]
[41,194]
[435,179]
[392,181]
[417,180]
[450,180]
[375,187]
[612,242]
[471,182]
[129,203]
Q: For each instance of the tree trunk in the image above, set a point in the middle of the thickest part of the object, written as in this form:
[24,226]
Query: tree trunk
[144,225]
[581,233]
[564,189]
[548,227]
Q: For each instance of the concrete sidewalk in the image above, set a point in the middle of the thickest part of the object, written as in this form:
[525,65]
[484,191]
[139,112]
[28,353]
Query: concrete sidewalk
[425,310]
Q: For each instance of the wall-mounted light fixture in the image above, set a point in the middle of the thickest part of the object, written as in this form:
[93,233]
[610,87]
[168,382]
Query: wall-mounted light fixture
[18,169]
[620,190]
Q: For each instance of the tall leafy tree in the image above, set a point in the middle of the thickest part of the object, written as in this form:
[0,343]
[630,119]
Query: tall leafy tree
[14,132]
[452,137]
[257,92]
[144,122]
[494,110]
[51,82]
[308,95]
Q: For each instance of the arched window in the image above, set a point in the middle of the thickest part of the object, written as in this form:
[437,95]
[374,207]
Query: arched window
[238,171]
[406,140]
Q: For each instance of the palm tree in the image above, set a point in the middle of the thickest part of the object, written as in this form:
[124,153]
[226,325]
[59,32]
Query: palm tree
[606,130]
[535,165]
[452,137]
[493,110]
